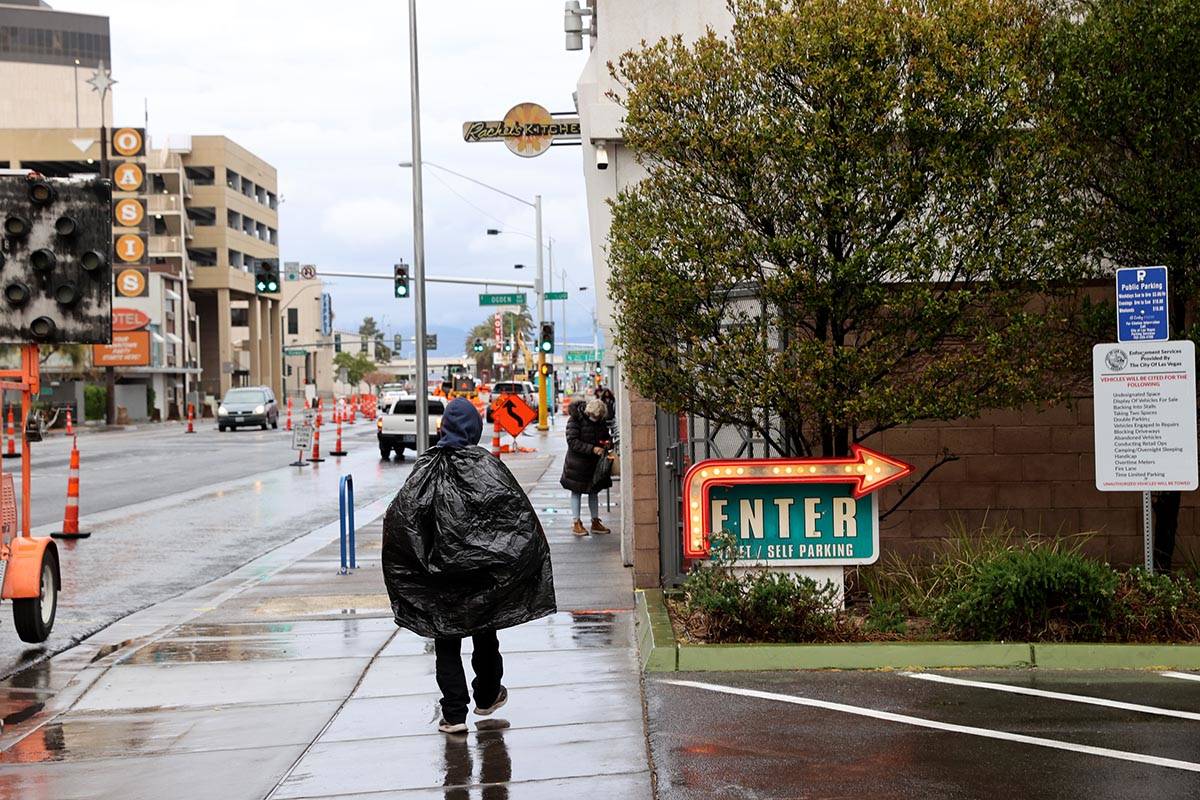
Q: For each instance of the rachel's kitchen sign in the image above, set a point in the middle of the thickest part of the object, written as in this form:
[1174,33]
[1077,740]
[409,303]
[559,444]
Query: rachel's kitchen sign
[790,512]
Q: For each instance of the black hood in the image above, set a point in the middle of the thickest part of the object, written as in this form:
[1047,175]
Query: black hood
[461,424]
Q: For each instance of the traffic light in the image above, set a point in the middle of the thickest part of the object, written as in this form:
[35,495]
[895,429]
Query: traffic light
[544,369]
[55,260]
[508,345]
[266,275]
[478,346]
[397,342]
[546,340]
[337,343]
[402,285]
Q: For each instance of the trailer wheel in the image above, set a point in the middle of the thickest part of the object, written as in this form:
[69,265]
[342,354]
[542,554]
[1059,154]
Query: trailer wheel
[33,617]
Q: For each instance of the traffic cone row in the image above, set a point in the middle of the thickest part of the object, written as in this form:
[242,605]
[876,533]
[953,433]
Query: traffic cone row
[316,448]
[70,526]
[12,438]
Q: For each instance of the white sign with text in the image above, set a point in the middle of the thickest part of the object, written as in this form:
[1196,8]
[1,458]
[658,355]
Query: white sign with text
[1145,401]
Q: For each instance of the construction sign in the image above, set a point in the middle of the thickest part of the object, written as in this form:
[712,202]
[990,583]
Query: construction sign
[513,414]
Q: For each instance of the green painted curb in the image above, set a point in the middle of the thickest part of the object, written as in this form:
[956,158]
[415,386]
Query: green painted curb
[858,655]
[657,651]
[1117,656]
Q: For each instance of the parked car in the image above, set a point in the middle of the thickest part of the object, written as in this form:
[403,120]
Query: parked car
[249,405]
[396,427]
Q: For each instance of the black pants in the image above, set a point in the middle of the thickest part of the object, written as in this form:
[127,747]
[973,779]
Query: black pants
[487,665]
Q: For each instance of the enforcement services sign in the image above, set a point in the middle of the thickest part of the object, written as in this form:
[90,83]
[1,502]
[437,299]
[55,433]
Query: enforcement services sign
[790,512]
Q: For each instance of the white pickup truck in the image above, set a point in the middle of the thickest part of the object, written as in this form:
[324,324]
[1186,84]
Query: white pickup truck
[396,425]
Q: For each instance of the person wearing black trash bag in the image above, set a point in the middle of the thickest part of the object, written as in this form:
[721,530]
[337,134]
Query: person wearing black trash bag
[464,554]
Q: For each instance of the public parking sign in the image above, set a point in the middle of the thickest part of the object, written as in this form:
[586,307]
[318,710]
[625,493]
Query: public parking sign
[1142,304]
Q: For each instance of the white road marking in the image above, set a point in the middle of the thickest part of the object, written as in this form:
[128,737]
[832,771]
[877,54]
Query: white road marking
[1187,676]
[904,719]
[1070,698]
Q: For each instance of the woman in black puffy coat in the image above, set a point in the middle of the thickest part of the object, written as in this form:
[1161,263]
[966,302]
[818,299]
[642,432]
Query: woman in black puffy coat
[587,442]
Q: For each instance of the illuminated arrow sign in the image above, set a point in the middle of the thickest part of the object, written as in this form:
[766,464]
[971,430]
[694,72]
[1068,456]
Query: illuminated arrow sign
[790,511]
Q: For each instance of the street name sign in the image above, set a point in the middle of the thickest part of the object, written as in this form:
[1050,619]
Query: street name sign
[517,299]
[790,512]
[1145,416]
[294,351]
[556,295]
[574,356]
[1142,304]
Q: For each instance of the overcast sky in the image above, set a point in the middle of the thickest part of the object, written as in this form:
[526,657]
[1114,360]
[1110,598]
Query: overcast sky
[320,90]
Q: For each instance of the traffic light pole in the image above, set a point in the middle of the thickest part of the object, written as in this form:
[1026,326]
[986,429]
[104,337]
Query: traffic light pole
[543,414]
[418,239]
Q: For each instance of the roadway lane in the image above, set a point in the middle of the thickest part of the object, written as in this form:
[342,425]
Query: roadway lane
[169,511]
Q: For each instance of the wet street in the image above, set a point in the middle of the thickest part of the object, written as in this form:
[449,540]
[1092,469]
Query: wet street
[963,734]
[169,511]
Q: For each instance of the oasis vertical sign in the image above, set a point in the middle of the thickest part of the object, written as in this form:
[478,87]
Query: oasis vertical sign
[790,512]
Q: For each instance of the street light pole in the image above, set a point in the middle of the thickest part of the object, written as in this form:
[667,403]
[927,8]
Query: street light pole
[418,240]
[101,82]
[543,408]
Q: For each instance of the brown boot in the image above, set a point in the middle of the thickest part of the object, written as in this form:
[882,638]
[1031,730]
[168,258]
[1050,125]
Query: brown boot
[578,528]
[598,526]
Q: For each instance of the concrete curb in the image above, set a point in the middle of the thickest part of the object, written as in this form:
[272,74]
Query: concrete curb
[659,651]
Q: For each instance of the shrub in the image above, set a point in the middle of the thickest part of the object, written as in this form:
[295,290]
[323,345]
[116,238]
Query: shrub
[1034,593]
[95,402]
[886,616]
[1157,608]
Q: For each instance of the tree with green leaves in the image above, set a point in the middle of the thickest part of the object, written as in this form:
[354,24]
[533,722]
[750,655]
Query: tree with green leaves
[1127,102]
[842,226]
[369,330]
[357,366]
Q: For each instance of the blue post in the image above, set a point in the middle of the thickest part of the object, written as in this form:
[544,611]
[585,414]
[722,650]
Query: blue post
[346,515]
[350,513]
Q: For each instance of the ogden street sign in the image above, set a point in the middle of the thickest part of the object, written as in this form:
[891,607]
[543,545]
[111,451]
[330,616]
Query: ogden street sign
[790,512]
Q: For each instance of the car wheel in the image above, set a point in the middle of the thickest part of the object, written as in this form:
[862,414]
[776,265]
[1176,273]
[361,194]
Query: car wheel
[33,617]
[221,428]
[264,426]
[275,423]
[399,453]
[385,452]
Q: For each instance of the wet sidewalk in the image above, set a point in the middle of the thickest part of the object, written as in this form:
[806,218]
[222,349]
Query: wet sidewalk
[286,680]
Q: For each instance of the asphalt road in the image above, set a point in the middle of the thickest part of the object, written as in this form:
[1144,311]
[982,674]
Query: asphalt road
[962,734]
[169,511]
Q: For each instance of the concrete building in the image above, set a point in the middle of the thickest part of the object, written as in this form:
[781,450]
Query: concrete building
[233,204]
[616,27]
[308,369]
[46,58]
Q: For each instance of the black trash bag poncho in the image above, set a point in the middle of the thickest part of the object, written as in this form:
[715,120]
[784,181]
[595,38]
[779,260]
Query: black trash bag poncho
[463,550]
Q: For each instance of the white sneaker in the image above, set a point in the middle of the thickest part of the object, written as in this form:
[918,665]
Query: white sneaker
[500,701]
[451,727]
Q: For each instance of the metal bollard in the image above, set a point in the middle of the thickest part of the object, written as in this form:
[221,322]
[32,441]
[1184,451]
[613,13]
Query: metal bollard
[346,520]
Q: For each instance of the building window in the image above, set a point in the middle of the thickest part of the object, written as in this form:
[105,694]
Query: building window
[239,317]
[293,321]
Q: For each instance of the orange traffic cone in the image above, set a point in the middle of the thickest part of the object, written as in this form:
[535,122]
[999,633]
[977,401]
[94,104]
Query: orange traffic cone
[496,438]
[191,417]
[316,451]
[338,451]
[70,526]
[12,438]
[70,427]
[289,422]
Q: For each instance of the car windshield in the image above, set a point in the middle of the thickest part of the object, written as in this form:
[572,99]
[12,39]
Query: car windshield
[410,407]
[246,396]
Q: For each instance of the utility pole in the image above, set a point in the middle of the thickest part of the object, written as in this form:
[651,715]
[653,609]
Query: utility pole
[543,410]
[101,82]
[418,239]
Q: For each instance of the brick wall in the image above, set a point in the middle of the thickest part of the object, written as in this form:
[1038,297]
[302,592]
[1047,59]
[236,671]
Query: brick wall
[1034,467]
[639,488]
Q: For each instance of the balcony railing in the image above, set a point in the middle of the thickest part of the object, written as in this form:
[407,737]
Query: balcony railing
[165,204]
[161,246]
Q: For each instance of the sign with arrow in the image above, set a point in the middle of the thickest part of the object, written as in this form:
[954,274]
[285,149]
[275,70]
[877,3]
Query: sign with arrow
[513,414]
[790,512]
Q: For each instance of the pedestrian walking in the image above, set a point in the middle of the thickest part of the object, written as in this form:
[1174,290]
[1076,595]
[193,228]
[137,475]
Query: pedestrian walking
[588,441]
[464,554]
